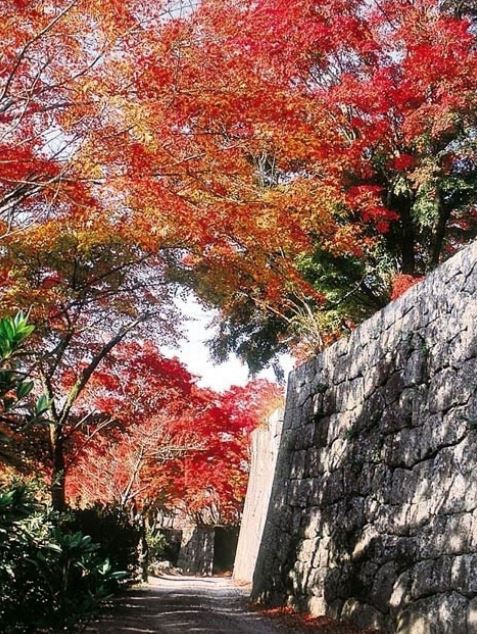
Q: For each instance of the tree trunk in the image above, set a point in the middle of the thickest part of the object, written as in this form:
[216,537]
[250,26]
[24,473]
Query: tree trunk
[408,260]
[138,519]
[143,552]
[58,477]
[401,238]
[440,234]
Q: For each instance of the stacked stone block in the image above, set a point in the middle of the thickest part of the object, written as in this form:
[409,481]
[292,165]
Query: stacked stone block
[196,555]
[373,515]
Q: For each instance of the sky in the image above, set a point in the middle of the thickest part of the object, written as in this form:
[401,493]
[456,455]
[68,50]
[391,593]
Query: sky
[195,355]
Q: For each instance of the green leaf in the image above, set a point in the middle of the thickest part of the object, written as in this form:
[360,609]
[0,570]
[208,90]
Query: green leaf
[26,330]
[25,388]
[42,405]
[53,547]
[9,328]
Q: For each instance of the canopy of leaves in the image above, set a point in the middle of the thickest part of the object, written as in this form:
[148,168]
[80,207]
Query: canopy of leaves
[165,441]
[345,133]
[294,163]
[239,145]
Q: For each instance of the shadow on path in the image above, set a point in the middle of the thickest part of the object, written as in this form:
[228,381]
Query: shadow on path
[173,605]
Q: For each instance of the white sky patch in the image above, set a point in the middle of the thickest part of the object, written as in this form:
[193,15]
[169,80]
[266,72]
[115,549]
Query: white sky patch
[194,353]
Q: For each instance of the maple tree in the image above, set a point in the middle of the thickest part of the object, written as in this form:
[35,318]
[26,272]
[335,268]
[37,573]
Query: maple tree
[138,393]
[211,482]
[88,289]
[337,140]
[285,160]
[67,104]
[74,250]
[166,442]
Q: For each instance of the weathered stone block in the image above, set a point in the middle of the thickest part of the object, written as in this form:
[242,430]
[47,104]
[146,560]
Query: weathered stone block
[464,346]
[321,426]
[383,584]
[443,614]
[393,388]
[315,462]
[308,437]
[363,615]
[414,371]
[298,465]
[450,388]
[431,577]
[375,511]
[471,620]
[464,574]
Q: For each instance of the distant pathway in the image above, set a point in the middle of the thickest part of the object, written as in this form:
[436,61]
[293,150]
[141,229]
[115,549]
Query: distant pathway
[179,605]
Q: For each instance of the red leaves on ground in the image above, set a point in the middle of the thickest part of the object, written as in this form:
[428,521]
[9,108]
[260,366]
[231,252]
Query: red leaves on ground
[306,623]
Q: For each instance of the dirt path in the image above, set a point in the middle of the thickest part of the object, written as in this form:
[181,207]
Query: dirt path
[179,605]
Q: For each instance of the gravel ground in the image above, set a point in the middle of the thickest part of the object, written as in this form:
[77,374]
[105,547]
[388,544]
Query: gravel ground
[179,605]
[173,605]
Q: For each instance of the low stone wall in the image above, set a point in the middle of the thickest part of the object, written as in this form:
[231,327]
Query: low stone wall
[373,514]
[264,452]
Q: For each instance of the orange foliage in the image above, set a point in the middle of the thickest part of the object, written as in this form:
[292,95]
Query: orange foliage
[402,283]
[243,133]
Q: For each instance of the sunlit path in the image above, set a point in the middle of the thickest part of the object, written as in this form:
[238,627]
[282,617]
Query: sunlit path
[171,605]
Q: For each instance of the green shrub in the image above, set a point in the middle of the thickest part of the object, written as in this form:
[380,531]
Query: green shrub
[112,530]
[50,579]
[157,545]
[19,407]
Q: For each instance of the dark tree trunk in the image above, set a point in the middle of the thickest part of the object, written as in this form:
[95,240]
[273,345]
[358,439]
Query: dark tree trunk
[401,239]
[138,519]
[58,476]
[440,234]
[408,258]
[143,552]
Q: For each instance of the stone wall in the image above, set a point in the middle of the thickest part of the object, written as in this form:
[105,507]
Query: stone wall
[373,515]
[196,555]
[265,443]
